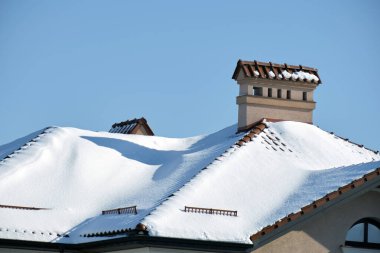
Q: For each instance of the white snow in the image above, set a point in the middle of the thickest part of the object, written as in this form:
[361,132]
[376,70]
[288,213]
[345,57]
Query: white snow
[78,173]
[286,74]
[309,77]
[301,75]
[262,184]
[8,149]
[295,76]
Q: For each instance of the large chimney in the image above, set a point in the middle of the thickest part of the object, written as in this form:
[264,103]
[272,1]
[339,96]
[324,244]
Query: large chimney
[274,91]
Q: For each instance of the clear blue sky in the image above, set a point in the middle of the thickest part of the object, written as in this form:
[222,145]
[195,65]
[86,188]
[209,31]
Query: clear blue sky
[89,64]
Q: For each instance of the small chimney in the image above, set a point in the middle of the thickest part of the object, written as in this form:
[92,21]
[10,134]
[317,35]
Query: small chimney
[134,126]
[274,91]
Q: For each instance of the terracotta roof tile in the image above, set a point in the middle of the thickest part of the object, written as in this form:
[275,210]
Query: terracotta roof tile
[320,202]
[251,132]
[345,188]
[269,70]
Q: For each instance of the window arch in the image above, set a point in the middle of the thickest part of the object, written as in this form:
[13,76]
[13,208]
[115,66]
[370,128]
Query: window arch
[365,233]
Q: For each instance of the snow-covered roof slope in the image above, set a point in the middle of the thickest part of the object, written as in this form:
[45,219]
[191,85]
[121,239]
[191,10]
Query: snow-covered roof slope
[286,167]
[76,174]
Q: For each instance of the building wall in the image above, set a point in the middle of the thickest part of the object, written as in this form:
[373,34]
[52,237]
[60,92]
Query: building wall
[139,250]
[5,250]
[157,250]
[296,91]
[254,113]
[326,231]
[253,109]
[141,131]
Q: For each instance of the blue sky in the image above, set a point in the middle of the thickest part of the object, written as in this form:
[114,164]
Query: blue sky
[89,64]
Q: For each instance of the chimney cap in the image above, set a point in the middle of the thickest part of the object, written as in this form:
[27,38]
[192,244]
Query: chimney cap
[308,74]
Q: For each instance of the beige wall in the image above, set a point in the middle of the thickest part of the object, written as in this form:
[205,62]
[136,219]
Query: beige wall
[326,231]
[246,87]
[275,108]
[258,112]
[297,93]
[141,131]
[253,109]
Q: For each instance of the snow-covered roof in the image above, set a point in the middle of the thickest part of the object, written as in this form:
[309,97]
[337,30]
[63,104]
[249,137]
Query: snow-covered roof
[76,174]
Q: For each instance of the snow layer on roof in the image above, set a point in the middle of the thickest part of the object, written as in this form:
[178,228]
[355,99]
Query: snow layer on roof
[78,173]
[286,167]
[304,75]
[21,143]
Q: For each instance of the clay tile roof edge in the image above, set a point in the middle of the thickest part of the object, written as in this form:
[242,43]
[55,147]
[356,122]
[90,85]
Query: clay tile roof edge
[241,62]
[241,65]
[236,72]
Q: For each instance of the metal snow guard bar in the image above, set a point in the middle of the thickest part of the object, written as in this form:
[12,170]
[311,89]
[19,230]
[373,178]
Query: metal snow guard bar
[122,210]
[191,209]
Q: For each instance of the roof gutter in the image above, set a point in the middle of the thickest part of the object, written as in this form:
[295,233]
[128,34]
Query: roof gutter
[128,242]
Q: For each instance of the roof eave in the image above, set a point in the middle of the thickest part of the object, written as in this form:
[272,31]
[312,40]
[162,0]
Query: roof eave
[131,242]
[346,193]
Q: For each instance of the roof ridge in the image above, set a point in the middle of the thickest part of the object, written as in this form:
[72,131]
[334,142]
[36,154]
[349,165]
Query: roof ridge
[277,64]
[27,144]
[316,204]
[376,152]
[130,121]
[247,137]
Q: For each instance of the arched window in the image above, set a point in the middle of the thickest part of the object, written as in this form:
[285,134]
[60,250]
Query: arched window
[365,233]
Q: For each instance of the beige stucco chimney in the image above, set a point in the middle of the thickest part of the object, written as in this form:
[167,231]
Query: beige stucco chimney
[274,91]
